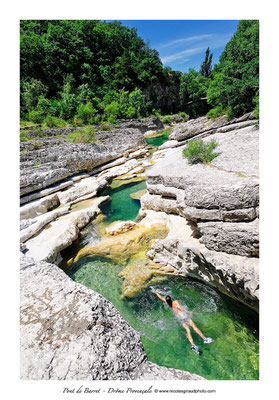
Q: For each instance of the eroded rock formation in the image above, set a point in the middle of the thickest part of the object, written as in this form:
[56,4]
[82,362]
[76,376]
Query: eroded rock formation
[219,199]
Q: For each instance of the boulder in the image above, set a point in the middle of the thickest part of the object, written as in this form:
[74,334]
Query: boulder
[119,227]
[39,207]
[88,186]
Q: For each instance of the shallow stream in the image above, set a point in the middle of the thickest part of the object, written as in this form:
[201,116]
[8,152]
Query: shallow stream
[234,354]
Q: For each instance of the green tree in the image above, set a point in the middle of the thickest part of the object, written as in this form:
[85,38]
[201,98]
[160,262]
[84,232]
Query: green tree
[236,79]
[206,67]
[193,87]
[32,91]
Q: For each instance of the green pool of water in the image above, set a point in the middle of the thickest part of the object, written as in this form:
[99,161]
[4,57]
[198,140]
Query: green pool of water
[233,355]
[158,141]
[122,206]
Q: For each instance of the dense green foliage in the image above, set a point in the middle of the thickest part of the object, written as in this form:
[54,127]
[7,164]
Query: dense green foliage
[192,88]
[235,82]
[198,151]
[81,69]
[86,71]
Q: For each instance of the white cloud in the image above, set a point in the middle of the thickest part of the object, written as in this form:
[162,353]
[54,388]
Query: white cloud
[213,41]
[181,54]
[184,40]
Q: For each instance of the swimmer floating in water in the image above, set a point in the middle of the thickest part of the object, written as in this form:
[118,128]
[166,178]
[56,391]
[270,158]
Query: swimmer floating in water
[184,315]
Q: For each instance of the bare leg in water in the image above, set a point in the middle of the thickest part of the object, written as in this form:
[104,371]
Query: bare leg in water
[188,332]
[196,329]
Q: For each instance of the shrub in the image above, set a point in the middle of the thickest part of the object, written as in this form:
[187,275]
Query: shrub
[131,112]
[197,151]
[86,135]
[256,113]
[156,113]
[166,120]
[105,127]
[35,116]
[137,100]
[111,112]
[86,113]
[215,112]
[24,137]
[183,114]
[53,122]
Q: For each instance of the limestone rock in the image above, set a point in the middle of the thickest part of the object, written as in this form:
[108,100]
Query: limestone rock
[45,192]
[225,190]
[39,207]
[67,331]
[235,275]
[60,234]
[197,126]
[84,187]
[240,238]
[42,220]
[59,159]
[118,227]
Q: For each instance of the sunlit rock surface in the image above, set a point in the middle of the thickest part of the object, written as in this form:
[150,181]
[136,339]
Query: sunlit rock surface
[67,331]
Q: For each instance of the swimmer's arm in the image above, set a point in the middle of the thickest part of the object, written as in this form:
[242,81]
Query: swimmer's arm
[160,297]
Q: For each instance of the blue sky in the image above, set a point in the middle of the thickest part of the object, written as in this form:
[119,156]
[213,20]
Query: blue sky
[182,43]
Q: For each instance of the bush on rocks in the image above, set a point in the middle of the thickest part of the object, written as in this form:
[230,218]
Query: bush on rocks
[198,151]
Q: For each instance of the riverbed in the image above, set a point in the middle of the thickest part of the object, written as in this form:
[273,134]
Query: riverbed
[234,354]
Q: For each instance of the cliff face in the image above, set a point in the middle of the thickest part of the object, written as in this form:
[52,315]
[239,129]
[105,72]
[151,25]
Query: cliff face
[220,200]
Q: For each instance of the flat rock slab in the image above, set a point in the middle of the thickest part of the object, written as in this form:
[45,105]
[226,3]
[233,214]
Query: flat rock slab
[52,159]
[68,331]
[217,191]
[48,243]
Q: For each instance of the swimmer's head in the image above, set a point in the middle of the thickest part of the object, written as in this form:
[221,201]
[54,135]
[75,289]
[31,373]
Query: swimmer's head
[169,301]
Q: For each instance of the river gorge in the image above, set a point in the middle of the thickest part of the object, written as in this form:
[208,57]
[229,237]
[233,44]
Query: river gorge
[102,223]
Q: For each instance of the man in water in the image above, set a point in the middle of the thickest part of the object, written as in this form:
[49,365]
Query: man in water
[184,315]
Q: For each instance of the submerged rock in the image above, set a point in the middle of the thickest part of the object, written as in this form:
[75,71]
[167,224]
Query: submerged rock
[122,246]
[137,195]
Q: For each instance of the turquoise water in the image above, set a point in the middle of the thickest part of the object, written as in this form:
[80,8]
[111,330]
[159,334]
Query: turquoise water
[122,206]
[157,141]
[233,354]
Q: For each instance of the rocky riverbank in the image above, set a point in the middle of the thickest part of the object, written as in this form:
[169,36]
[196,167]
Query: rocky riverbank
[210,219]
[67,330]
[219,201]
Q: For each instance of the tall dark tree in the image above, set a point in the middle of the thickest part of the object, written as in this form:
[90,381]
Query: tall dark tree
[206,67]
